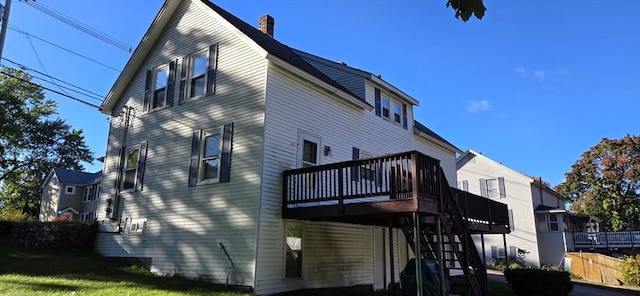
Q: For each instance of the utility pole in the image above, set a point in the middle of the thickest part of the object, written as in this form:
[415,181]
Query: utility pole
[5,20]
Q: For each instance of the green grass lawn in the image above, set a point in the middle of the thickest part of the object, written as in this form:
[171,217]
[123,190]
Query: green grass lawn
[31,272]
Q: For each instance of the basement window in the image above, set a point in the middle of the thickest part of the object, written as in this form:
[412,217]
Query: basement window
[293,250]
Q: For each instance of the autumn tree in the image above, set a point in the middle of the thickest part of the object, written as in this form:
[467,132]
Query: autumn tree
[605,183]
[32,142]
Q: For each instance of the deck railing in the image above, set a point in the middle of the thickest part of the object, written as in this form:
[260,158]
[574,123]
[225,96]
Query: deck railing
[384,178]
[621,239]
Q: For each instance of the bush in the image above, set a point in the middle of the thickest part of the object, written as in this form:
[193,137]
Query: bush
[14,216]
[530,282]
[499,263]
[630,271]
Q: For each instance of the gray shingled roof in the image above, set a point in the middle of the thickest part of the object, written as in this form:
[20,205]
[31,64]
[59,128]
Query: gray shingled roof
[77,177]
[274,47]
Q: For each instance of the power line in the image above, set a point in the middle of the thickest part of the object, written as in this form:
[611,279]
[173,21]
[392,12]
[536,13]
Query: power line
[51,90]
[86,92]
[60,47]
[78,25]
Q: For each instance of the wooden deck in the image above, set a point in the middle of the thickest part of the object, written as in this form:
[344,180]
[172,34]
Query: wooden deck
[607,240]
[374,191]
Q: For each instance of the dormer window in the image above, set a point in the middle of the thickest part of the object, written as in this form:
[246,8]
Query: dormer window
[391,110]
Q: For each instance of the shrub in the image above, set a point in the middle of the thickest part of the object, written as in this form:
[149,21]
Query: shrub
[530,282]
[500,263]
[630,271]
[14,216]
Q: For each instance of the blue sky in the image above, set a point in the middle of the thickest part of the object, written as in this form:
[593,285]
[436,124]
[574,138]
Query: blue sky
[532,85]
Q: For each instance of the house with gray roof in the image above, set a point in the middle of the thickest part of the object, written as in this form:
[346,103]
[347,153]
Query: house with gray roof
[70,195]
[235,159]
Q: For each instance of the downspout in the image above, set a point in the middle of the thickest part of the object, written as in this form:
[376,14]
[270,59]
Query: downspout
[112,203]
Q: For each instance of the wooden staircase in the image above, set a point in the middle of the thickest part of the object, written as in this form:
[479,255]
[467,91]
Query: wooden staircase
[456,244]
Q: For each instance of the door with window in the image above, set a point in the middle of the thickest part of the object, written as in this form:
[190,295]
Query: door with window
[309,156]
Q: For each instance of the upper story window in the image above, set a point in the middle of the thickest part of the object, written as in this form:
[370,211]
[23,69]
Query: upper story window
[159,87]
[198,74]
[88,194]
[210,156]
[493,188]
[391,110]
[69,189]
[160,76]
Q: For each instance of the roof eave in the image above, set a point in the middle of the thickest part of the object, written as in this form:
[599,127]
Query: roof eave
[394,90]
[138,56]
[426,136]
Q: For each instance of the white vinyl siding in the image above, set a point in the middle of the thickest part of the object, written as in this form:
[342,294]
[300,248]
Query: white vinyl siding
[185,224]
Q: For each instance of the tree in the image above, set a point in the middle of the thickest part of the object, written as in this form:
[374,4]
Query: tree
[605,183]
[32,142]
[465,8]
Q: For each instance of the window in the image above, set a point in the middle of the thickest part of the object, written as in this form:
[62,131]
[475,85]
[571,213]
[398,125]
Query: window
[547,222]
[293,250]
[553,222]
[198,74]
[69,189]
[159,87]
[370,172]
[383,108]
[463,185]
[308,156]
[397,116]
[210,156]
[96,195]
[497,252]
[88,216]
[88,194]
[133,171]
[493,188]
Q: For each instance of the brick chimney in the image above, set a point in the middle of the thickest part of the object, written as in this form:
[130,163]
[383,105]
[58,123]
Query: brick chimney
[265,24]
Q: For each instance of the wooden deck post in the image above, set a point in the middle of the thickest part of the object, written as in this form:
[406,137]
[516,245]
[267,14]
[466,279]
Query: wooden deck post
[440,255]
[506,255]
[418,253]
[391,269]
[484,256]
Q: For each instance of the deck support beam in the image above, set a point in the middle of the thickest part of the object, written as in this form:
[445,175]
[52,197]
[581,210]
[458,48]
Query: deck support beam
[440,254]
[391,267]
[418,253]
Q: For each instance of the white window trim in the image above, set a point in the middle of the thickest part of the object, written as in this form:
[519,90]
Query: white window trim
[87,196]
[67,187]
[382,108]
[219,131]
[190,74]
[153,87]
[395,104]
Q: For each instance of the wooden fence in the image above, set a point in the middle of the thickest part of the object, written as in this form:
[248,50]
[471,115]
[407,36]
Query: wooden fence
[595,267]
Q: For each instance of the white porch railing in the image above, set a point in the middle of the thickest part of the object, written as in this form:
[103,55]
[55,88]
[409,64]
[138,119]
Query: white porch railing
[621,239]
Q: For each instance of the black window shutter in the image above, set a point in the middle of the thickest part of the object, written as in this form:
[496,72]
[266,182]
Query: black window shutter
[182,95]
[355,170]
[171,82]
[225,155]
[404,116]
[195,158]
[483,187]
[147,92]
[142,160]
[211,69]
[503,193]
[378,107]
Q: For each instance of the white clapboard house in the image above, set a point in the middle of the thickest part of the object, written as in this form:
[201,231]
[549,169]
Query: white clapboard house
[236,159]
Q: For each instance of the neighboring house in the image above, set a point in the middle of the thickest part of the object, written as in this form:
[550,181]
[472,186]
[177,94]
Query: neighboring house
[539,223]
[208,116]
[70,195]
